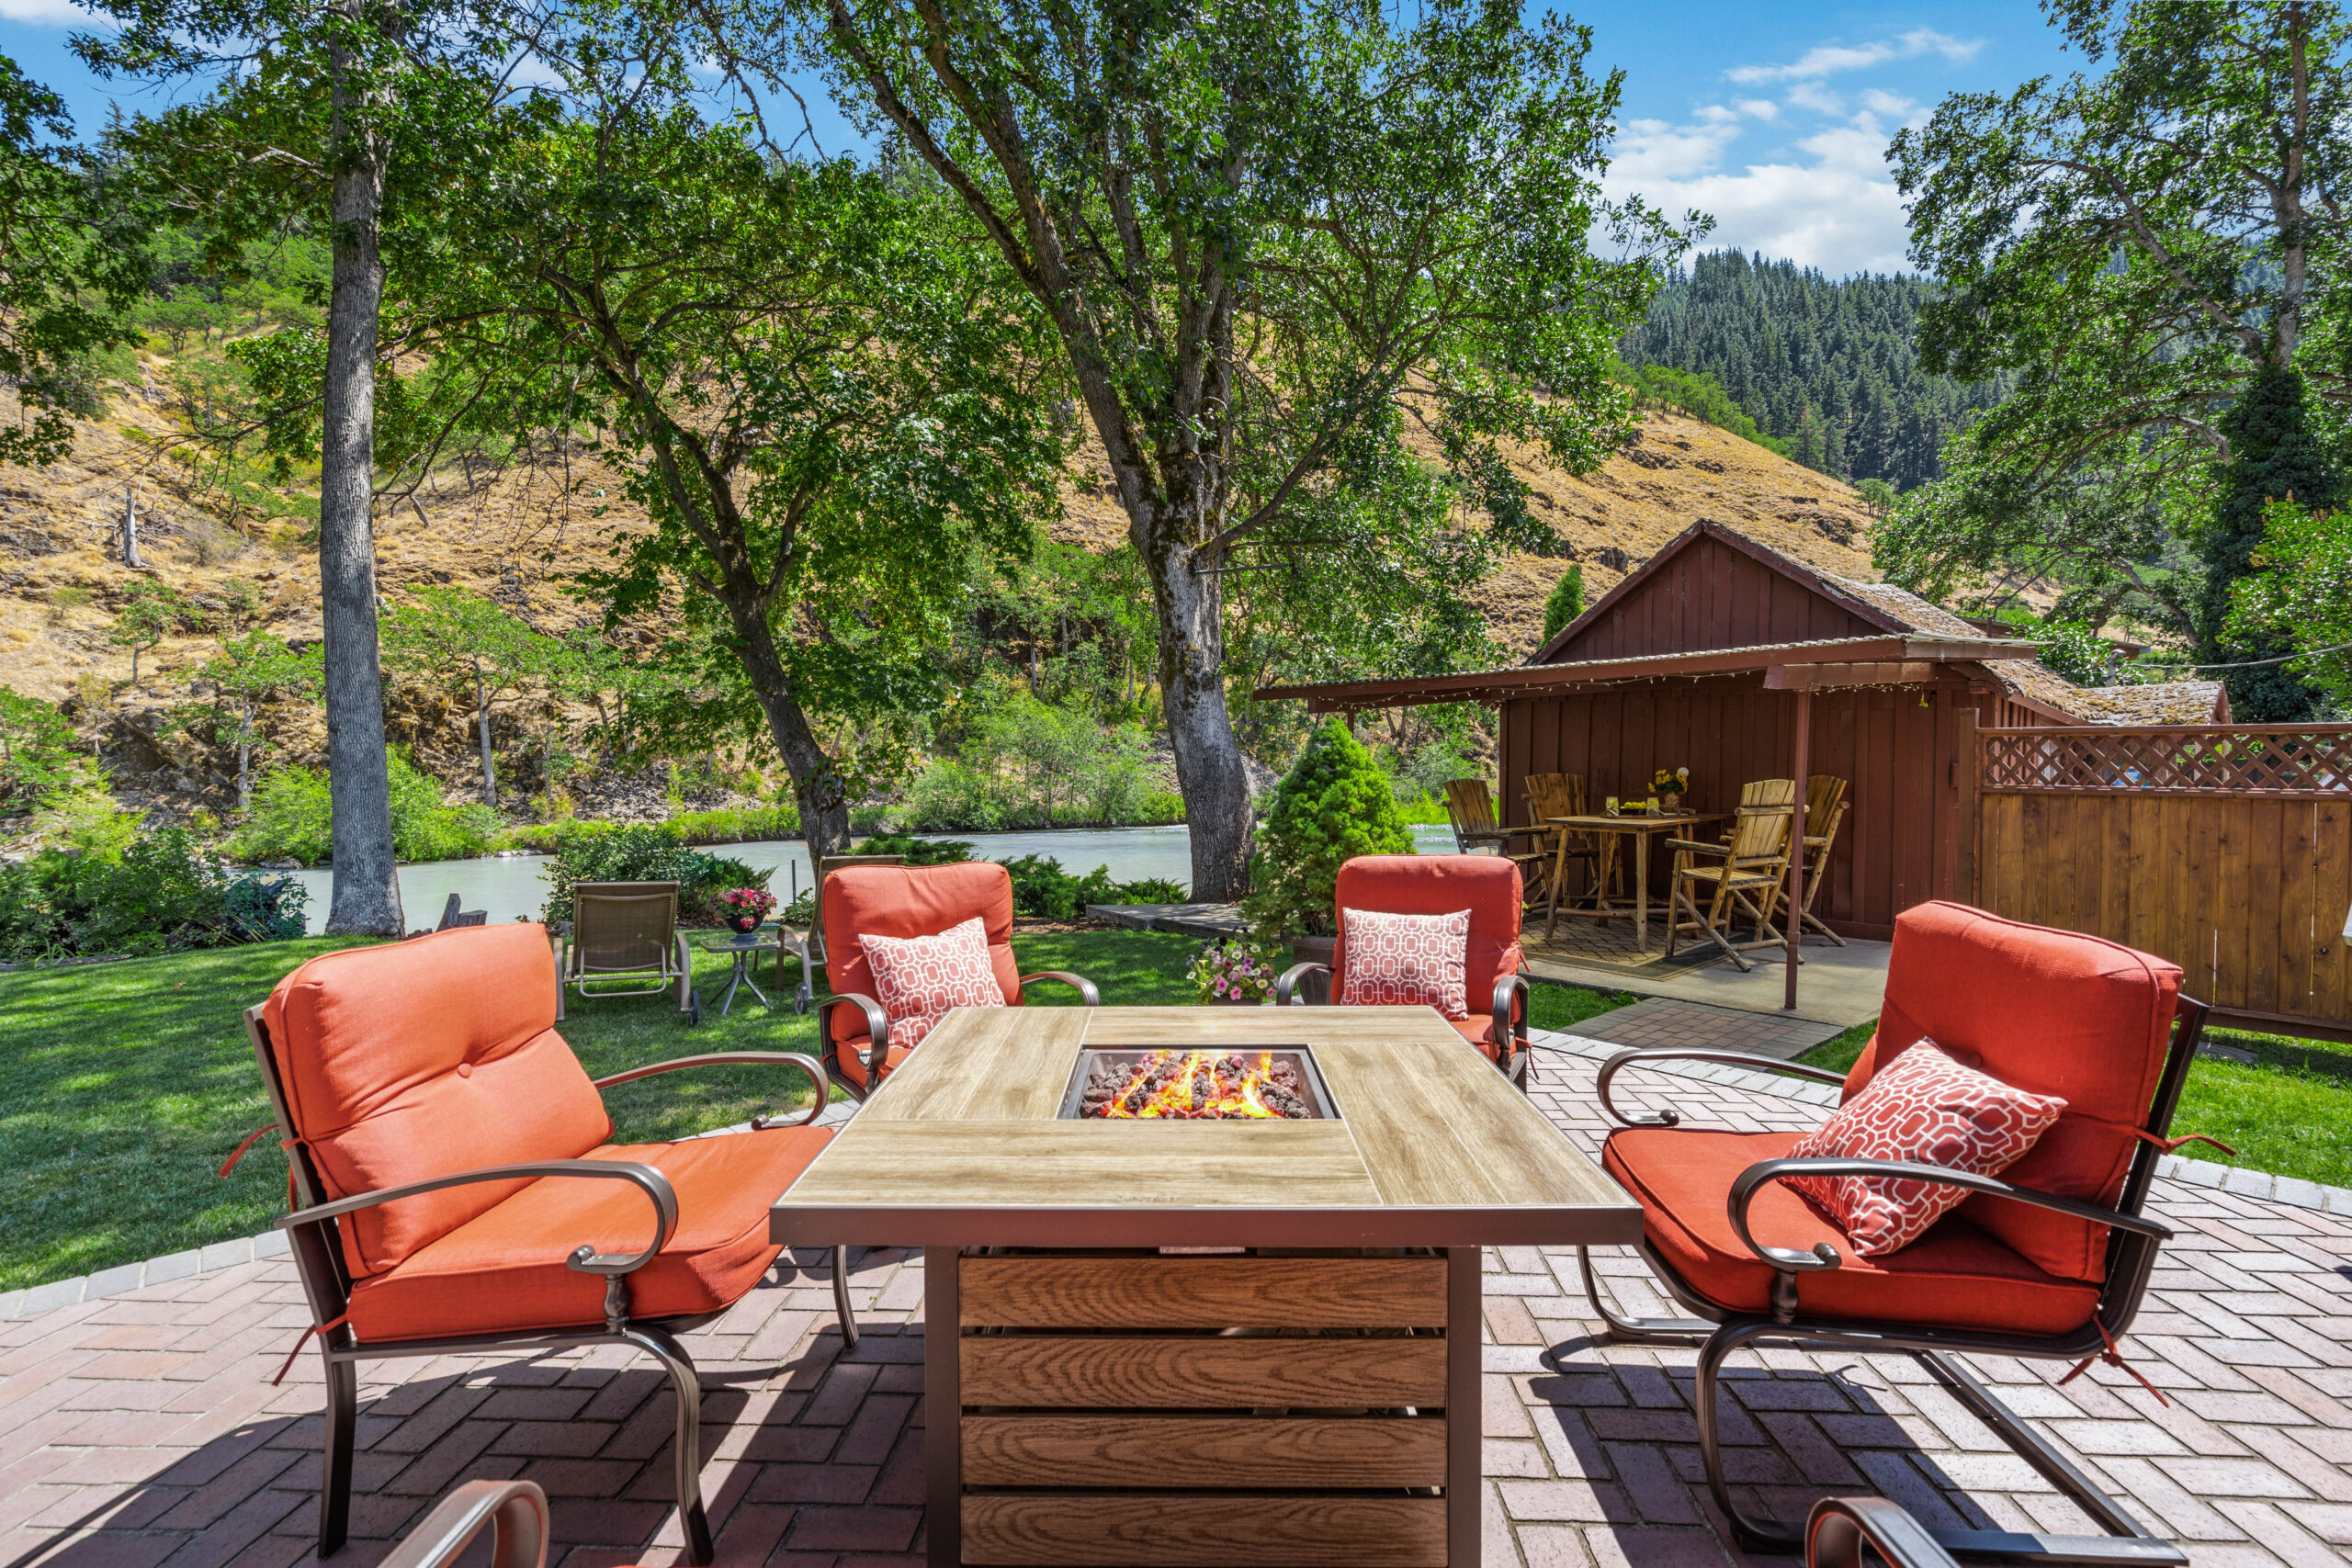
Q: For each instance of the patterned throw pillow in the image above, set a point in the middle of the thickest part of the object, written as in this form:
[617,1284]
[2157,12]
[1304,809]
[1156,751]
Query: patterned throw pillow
[1407,960]
[1925,1107]
[917,978]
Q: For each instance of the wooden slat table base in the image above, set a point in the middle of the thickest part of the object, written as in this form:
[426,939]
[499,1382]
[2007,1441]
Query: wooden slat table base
[1089,1382]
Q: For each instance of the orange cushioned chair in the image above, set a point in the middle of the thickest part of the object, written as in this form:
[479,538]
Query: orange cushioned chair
[2048,1260]
[907,901]
[1487,885]
[459,1193]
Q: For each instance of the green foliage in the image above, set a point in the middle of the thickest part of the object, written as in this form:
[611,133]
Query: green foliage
[2138,248]
[1565,603]
[150,610]
[154,893]
[87,821]
[1694,392]
[36,749]
[1333,804]
[1826,368]
[292,819]
[2080,653]
[2301,594]
[245,670]
[2275,455]
[1877,494]
[917,852]
[1042,889]
[70,264]
[1022,762]
[644,853]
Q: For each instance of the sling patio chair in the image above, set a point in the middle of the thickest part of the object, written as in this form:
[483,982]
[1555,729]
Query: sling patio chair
[458,1192]
[864,1039]
[2049,1259]
[1738,877]
[626,933]
[1488,889]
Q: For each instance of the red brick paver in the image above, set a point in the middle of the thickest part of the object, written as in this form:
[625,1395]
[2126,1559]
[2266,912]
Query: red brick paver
[139,1431]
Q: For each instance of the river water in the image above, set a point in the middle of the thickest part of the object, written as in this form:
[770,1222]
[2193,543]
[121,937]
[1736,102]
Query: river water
[513,886]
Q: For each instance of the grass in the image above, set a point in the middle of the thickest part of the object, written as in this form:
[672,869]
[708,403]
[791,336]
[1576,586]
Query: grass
[2289,1112]
[123,1086]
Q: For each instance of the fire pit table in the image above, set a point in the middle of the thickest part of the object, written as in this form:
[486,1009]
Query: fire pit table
[1202,1284]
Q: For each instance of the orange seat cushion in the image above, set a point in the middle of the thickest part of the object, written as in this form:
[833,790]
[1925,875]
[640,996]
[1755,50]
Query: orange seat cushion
[1479,1032]
[907,901]
[1956,1276]
[2050,1012]
[504,1271]
[425,1059]
[849,1056]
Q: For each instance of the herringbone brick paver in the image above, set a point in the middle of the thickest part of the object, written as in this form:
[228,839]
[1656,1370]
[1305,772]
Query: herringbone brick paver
[141,1431]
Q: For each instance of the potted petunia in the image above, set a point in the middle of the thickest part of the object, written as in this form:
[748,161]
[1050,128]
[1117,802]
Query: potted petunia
[1236,972]
[745,907]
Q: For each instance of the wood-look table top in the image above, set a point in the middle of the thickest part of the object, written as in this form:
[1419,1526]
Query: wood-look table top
[962,1146]
[1636,821]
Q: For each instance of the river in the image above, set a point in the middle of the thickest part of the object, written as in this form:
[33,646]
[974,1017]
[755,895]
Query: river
[512,885]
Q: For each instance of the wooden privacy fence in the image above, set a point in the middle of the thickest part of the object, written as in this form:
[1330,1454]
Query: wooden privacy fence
[2227,850]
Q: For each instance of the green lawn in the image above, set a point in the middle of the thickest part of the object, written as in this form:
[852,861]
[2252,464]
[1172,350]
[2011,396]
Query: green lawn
[2289,1112]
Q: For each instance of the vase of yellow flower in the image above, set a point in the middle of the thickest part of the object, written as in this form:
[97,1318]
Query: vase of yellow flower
[1669,784]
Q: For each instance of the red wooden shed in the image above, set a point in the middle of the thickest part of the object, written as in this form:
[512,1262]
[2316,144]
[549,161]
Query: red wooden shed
[1703,659]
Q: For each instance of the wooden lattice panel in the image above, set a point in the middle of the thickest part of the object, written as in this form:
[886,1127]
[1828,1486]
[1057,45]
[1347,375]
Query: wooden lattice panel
[2304,760]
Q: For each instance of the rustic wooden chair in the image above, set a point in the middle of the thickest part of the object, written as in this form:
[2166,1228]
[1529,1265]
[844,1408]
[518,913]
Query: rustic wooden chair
[626,933]
[457,1192]
[1563,794]
[1738,877]
[1470,807]
[2048,1262]
[1825,812]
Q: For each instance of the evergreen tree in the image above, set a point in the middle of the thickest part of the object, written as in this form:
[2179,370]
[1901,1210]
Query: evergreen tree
[2274,455]
[1334,804]
[1566,602]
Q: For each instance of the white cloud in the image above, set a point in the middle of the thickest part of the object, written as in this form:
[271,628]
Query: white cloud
[1826,59]
[55,13]
[1889,105]
[1815,97]
[1761,108]
[1833,207]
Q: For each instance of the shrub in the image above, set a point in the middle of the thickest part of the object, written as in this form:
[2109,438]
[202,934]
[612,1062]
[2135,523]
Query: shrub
[87,821]
[293,818]
[738,825]
[947,797]
[644,853]
[1158,806]
[160,894]
[1333,804]
[1565,603]
[1041,888]
[918,851]
[36,748]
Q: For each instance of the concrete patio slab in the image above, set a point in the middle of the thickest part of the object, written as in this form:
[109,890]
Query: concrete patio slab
[141,1429]
[1840,985]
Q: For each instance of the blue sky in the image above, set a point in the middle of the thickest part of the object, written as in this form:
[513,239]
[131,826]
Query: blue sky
[1772,117]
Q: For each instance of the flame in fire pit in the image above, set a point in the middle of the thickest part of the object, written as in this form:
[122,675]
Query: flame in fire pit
[1196,1086]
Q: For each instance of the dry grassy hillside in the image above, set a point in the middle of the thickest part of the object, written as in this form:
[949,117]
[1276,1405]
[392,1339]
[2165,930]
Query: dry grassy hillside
[517,534]
[1615,518]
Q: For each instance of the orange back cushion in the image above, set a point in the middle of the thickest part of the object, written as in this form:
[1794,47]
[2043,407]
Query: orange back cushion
[913,900]
[425,1059]
[2052,1012]
[1487,885]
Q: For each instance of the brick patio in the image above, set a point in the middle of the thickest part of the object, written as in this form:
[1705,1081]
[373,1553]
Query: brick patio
[141,1428]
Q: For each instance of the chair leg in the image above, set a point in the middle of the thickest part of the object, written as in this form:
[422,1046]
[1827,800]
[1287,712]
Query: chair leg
[1637,1330]
[692,1521]
[1763,1535]
[840,1298]
[334,1478]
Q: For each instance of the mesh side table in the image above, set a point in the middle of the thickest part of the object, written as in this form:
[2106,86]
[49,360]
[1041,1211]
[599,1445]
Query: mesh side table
[741,949]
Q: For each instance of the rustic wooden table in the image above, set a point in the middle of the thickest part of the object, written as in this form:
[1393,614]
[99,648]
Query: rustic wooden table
[1343,1297]
[1641,828]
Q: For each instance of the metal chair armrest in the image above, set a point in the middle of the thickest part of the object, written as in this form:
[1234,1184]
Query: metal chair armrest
[1087,995]
[878,1031]
[584,1258]
[1287,983]
[1668,1118]
[1745,1187]
[809,1064]
[516,1512]
[1508,989]
[1839,1528]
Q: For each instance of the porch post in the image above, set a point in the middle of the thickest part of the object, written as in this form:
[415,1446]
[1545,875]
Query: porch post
[1795,914]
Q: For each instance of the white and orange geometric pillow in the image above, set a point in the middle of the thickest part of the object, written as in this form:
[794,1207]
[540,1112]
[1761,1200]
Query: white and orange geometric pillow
[1407,960]
[1926,1108]
[917,978]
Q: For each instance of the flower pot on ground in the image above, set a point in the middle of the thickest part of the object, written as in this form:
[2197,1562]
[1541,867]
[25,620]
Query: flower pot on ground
[1236,972]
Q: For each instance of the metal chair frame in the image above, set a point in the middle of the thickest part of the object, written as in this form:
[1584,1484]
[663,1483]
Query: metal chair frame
[315,1240]
[514,1511]
[2133,1244]
[675,969]
[877,1027]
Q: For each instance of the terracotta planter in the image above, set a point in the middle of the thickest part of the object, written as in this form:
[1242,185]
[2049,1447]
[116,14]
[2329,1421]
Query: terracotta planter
[1234,1002]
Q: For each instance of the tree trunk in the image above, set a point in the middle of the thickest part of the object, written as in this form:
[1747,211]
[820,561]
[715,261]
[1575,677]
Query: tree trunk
[481,721]
[816,783]
[1209,770]
[245,752]
[366,897]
